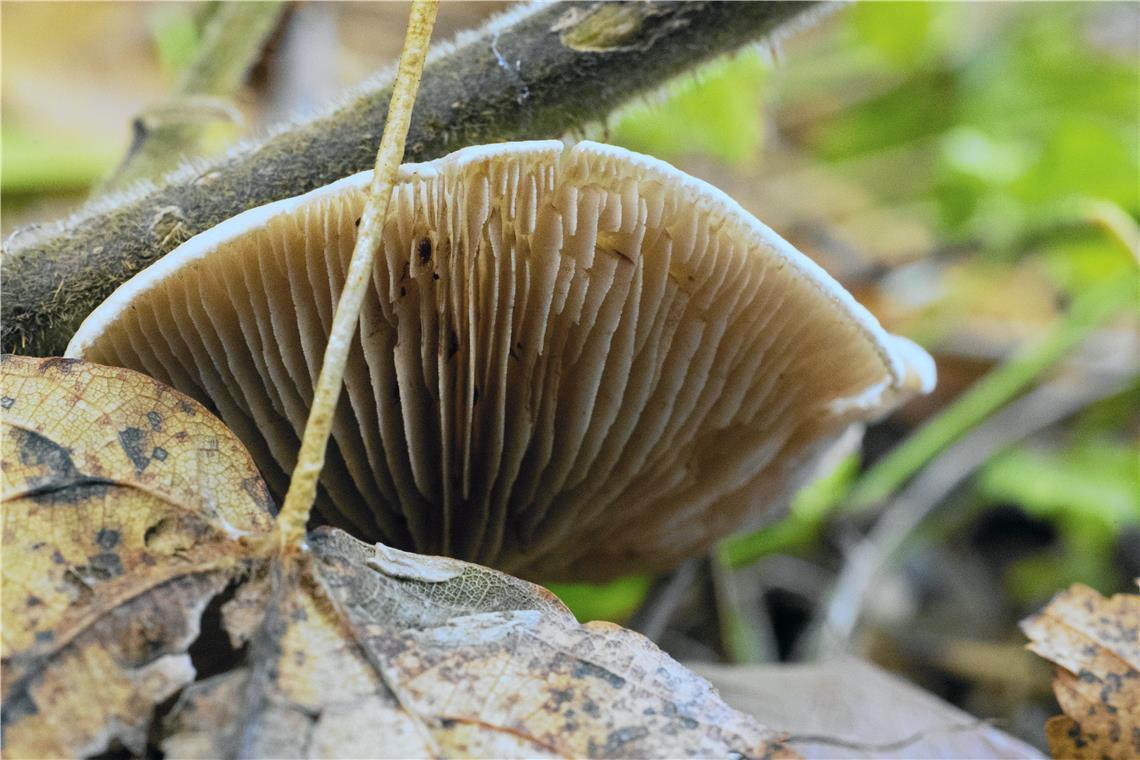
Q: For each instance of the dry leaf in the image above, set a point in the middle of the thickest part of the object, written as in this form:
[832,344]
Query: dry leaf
[124,504]
[372,651]
[1094,643]
[847,708]
[128,509]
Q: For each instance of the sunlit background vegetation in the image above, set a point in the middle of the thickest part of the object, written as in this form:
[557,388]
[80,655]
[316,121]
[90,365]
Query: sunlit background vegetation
[970,171]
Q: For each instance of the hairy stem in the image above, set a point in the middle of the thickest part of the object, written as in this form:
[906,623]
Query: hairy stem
[533,74]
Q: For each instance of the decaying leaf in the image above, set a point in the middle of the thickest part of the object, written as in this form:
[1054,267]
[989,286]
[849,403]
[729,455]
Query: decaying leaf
[848,708]
[125,508]
[371,651]
[1094,643]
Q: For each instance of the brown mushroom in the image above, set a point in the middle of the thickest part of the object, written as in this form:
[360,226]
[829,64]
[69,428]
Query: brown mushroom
[574,363]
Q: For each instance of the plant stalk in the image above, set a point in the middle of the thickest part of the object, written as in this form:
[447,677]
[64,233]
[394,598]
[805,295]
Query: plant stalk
[294,514]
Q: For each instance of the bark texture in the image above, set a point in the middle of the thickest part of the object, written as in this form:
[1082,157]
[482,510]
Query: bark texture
[534,74]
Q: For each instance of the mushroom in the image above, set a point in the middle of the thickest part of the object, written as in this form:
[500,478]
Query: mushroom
[574,363]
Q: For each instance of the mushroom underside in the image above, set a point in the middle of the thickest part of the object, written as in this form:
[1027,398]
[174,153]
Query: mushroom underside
[571,363]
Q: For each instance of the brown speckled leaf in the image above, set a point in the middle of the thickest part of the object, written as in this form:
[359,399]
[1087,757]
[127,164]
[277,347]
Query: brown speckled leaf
[1094,643]
[124,509]
[368,651]
[128,508]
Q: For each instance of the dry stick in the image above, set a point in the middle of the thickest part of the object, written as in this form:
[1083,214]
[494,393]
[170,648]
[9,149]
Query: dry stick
[294,513]
[1047,405]
[668,593]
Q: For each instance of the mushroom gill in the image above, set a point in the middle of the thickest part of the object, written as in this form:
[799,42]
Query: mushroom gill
[574,362]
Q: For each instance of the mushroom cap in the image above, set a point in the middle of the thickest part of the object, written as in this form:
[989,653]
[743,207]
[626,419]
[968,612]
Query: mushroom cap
[573,363]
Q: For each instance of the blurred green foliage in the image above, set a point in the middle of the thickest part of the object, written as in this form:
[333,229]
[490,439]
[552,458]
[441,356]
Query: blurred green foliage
[614,601]
[1089,491]
[176,32]
[714,113]
[1008,130]
[35,163]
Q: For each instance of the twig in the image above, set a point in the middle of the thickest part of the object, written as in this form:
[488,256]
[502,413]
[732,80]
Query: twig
[895,746]
[1041,408]
[232,40]
[665,596]
[294,515]
[746,631]
[1089,311]
[556,78]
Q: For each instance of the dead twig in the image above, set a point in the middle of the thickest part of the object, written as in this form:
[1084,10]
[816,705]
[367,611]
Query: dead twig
[1039,409]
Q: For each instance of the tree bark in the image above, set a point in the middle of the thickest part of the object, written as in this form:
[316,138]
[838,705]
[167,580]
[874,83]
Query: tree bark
[534,73]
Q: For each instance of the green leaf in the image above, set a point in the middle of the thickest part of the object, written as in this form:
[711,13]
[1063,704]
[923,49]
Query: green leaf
[715,113]
[1091,483]
[900,32]
[614,601]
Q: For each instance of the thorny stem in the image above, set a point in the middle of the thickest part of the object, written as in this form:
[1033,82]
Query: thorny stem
[303,487]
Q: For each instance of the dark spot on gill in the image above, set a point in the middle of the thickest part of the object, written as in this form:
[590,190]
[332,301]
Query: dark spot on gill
[452,344]
[424,251]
